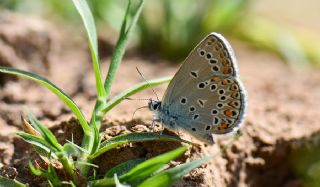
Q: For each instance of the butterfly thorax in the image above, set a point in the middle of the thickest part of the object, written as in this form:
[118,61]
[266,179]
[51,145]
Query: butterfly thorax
[162,114]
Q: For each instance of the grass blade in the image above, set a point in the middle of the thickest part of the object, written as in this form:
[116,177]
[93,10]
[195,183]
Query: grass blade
[87,18]
[45,132]
[121,44]
[54,89]
[144,169]
[10,182]
[135,89]
[130,138]
[169,176]
[150,166]
[123,168]
[118,184]
[42,147]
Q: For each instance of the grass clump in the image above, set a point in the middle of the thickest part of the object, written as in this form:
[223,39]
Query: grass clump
[76,160]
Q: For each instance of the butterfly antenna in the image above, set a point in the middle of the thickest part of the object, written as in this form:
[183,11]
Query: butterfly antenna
[137,110]
[148,83]
[135,99]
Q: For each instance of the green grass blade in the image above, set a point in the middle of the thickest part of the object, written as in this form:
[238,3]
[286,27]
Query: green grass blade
[87,18]
[10,182]
[45,132]
[42,147]
[150,166]
[123,168]
[118,184]
[51,174]
[121,45]
[54,89]
[130,138]
[144,169]
[135,89]
[168,177]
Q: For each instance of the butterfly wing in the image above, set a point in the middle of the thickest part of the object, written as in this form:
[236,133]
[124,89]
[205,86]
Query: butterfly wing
[206,96]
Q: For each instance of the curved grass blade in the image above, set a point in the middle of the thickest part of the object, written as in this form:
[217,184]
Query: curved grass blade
[10,182]
[169,176]
[150,166]
[135,89]
[41,146]
[118,184]
[144,169]
[125,33]
[51,174]
[87,18]
[54,89]
[130,138]
[123,168]
[45,132]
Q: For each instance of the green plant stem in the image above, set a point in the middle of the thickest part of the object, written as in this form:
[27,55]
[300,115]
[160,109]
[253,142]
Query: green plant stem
[121,45]
[97,115]
[69,167]
[87,18]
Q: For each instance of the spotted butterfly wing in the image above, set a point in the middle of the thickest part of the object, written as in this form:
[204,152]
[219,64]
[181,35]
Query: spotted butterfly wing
[205,96]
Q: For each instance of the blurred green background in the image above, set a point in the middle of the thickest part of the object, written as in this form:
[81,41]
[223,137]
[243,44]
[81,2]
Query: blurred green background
[287,28]
[172,28]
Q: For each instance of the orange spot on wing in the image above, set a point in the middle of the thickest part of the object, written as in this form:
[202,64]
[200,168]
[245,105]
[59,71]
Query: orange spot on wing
[215,79]
[228,113]
[223,125]
[235,95]
[224,82]
[233,87]
[226,70]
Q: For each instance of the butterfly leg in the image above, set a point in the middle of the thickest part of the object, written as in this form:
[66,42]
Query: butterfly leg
[162,127]
[153,123]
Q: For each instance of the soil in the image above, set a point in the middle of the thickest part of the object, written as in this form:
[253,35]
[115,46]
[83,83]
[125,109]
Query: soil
[282,120]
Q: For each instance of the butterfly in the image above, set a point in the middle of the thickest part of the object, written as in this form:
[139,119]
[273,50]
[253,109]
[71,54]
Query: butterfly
[205,97]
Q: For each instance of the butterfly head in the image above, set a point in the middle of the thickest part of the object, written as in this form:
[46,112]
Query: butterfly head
[154,105]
